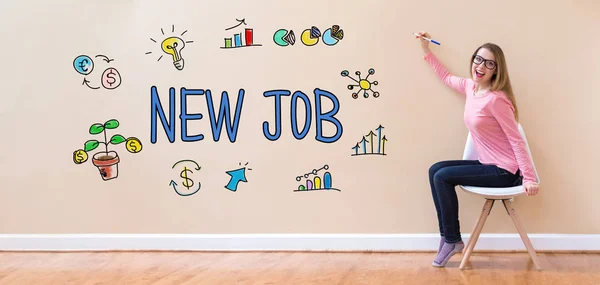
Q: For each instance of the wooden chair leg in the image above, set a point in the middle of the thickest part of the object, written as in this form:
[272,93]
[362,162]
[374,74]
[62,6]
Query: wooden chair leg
[474,229]
[485,212]
[521,229]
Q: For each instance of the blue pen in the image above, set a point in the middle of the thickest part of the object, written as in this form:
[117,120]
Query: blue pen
[430,40]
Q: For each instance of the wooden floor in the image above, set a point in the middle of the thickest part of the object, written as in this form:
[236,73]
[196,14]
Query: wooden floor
[292,268]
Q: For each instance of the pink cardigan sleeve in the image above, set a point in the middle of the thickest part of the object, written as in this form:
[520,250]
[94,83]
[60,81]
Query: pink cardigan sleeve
[503,111]
[455,82]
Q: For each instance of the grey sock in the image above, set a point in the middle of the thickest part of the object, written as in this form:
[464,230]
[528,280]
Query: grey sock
[447,251]
[441,244]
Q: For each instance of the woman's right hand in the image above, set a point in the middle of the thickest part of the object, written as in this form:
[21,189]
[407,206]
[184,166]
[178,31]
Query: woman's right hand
[424,43]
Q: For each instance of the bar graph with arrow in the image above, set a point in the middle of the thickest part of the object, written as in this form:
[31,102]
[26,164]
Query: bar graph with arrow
[372,143]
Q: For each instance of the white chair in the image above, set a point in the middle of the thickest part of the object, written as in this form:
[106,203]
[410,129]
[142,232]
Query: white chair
[491,195]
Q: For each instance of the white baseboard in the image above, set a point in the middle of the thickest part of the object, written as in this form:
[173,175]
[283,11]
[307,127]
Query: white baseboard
[285,242]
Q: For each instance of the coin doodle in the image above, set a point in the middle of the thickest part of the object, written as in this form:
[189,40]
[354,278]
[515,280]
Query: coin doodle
[83,64]
[133,145]
[111,78]
[80,156]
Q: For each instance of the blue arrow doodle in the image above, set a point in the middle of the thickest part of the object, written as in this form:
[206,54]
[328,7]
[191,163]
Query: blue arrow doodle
[379,136]
[355,148]
[236,176]
[364,143]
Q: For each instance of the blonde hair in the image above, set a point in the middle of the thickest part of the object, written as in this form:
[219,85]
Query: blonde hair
[500,79]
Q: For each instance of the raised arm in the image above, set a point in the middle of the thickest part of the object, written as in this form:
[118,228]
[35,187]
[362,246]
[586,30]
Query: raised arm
[455,82]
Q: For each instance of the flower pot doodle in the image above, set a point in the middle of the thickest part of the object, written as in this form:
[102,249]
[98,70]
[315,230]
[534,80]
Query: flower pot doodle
[106,161]
[108,164]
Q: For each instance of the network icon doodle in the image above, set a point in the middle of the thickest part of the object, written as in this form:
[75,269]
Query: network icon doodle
[363,84]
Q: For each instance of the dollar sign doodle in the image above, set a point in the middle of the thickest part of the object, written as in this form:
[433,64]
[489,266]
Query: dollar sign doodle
[79,156]
[133,145]
[111,78]
[183,174]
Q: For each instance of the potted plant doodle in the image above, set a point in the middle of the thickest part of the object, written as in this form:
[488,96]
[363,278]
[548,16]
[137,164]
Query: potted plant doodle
[106,161]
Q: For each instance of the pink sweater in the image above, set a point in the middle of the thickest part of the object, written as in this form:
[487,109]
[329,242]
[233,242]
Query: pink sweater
[491,121]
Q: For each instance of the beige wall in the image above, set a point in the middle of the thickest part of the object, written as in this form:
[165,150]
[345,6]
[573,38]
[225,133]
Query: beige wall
[552,51]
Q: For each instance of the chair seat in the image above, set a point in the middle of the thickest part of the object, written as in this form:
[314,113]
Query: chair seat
[495,192]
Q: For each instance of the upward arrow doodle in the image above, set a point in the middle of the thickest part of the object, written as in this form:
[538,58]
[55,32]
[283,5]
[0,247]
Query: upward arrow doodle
[364,144]
[242,21]
[371,134]
[355,148]
[379,136]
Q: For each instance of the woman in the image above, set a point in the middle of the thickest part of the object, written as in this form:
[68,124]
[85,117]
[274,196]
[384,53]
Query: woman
[491,116]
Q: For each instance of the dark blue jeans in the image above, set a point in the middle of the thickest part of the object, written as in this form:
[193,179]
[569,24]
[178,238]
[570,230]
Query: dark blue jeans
[444,176]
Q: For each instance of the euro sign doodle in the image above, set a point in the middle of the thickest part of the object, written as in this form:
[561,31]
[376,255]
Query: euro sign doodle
[189,166]
[83,64]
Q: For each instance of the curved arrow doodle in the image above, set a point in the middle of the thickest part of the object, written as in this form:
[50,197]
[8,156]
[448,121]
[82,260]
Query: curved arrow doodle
[242,21]
[105,58]
[188,160]
[85,82]
[174,184]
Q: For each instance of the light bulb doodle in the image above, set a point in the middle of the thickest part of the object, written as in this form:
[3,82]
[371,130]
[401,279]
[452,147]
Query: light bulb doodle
[363,84]
[110,78]
[368,139]
[172,46]
[236,176]
[317,183]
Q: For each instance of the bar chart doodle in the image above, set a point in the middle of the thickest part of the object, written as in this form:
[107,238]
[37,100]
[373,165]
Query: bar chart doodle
[363,83]
[377,143]
[240,40]
[172,46]
[236,176]
[316,183]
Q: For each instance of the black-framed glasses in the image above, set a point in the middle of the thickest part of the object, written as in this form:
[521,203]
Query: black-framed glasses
[489,64]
